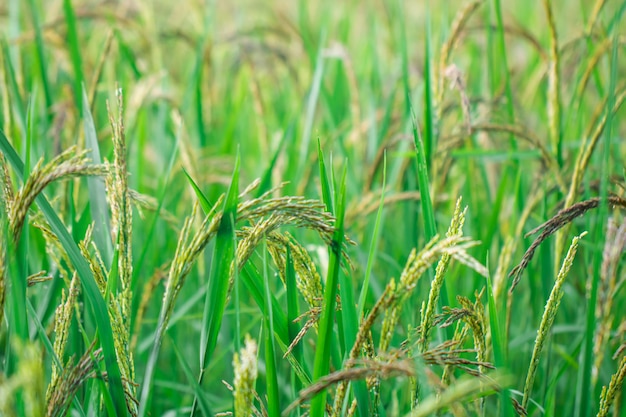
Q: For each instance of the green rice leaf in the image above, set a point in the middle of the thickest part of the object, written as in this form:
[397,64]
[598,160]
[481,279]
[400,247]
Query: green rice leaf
[223,257]
[321,364]
[271,378]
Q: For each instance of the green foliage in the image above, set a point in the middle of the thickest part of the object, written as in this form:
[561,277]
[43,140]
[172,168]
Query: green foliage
[195,251]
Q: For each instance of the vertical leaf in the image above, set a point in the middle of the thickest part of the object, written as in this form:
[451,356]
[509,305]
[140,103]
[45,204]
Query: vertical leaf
[497,343]
[271,379]
[72,37]
[97,193]
[41,55]
[223,256]
[321,363]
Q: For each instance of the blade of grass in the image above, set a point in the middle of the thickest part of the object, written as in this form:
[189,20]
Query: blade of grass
[163,191]
[253,280]
[374,242]
[497,344]
[204,202]
[329,201]
[321,364]
[90,288]
[41,55]
[350,318]
[271,379]
[310,108]
[266,181]
[198,392]
[12,90]
[497,56]
[223,256]
[326,194]
[97,193]
[428,212]
[73,44]
[292,313]
[429,135]
[15,306]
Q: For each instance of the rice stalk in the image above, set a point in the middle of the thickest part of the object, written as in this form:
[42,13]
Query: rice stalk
[591,139]
[549,313]
[308,280]
[62,322]
[54,249]
[458,25]
[121,223]
[600,50]
[463,390]
[280,211]
[454,74]
[119,201]
[6,98]
[184,257]
[68,164]
[97,73]
[476,321]
[613,249]
[245,370]
[395,294]
[527,135]
[610,393]
[368,368]
[146,296]
[415,267]
[363,337]
[460,334]
[70,380]
[6,188]
[5,200]
[561,219]
[593,17]
[37,278]
[427,315]
[554,84]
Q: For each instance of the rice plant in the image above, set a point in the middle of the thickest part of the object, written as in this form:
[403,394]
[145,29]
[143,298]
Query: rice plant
[324,209]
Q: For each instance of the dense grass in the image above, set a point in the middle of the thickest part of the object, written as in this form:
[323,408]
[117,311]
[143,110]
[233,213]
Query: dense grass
[356,208]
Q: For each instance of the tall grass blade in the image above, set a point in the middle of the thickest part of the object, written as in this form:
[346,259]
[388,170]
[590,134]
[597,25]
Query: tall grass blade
[428,213]
[374,242]
[97,192]
[41,54]
[16,303]
[204,202]
[429,130]
[14,99]
[321,364]
[293,312]
[198,392]
[499,350]
[219,279]
[311,104]
[74,46]
[271,378]
[351,326]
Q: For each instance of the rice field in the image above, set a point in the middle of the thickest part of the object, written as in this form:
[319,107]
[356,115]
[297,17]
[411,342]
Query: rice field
[350,208]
